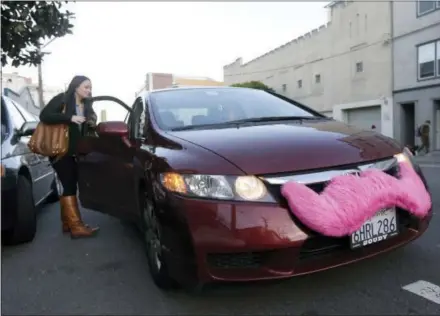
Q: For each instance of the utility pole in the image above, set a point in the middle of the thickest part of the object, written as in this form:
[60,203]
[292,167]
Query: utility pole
[40,82]
[40,73]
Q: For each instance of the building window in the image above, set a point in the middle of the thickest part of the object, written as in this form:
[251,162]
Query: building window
[359,66]
[424,7]
[317,78]
[426,54]
[438,58]
[284,87]
[438,4]
[300,83]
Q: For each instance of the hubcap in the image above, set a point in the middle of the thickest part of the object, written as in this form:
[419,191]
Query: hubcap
[152,235]
[58,185]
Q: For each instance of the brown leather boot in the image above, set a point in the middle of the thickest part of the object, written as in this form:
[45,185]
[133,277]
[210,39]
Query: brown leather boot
[65,225]
[73,219]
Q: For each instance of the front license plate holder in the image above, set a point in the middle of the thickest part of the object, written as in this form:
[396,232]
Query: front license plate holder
[382,226]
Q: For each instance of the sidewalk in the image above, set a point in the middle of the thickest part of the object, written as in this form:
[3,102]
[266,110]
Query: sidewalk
[433,159]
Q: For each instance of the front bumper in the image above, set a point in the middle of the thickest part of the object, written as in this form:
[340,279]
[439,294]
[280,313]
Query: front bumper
[255,241]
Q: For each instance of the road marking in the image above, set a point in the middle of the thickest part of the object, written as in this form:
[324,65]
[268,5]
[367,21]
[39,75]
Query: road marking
[424,289]
[429,165]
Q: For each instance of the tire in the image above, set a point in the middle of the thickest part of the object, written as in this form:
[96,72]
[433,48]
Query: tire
[24,226]
[151,236]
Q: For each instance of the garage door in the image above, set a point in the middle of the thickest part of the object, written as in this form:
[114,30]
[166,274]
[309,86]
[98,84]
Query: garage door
[365,118]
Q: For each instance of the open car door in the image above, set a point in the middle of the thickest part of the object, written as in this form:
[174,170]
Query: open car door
[105,162]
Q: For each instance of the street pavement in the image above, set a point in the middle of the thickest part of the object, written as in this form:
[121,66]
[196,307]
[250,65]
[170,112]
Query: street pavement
[55,275]
[431,159]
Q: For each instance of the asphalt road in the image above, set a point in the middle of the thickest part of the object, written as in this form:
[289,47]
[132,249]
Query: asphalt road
[109,276]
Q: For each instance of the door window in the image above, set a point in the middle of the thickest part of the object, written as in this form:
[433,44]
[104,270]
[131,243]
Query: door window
[109,109]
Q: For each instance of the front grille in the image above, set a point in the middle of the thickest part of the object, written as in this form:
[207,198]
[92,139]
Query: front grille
[319,245]
[393,171]
[236,260]
[317,180]
[274,186]
[318,187]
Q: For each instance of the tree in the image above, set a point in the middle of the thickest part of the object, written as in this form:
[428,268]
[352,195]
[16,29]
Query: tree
[253,85]
[26,23]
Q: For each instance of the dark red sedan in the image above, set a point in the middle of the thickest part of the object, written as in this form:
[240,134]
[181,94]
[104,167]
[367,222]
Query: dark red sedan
[201,171]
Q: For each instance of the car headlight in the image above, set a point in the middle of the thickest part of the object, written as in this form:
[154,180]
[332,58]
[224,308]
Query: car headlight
[240,188]
[406,156]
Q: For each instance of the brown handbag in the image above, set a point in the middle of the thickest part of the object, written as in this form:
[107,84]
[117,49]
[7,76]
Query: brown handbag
[51,140]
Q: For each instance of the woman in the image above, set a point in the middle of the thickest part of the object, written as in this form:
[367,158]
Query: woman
[70,108]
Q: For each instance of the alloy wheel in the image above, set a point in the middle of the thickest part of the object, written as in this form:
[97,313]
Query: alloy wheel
[58,184]
[152,235]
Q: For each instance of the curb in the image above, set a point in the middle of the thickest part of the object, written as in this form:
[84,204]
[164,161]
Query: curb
[429,165]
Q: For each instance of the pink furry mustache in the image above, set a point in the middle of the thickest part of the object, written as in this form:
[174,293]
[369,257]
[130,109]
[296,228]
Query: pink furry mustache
[348,201]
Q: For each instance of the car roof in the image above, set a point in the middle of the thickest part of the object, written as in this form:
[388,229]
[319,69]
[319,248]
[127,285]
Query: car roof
[146,93]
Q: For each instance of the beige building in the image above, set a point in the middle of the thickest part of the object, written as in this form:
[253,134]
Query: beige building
[24,91]
[342,69]
[155,81]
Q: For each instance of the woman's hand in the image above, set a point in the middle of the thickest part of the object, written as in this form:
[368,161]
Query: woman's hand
[78,119]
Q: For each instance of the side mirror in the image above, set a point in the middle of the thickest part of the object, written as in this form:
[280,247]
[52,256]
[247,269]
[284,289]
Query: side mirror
[115,129]
[27,129]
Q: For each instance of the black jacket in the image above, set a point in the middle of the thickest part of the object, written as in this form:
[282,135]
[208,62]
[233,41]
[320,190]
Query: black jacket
[53,114]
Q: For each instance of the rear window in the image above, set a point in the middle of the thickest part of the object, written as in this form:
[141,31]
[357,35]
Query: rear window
[181,108]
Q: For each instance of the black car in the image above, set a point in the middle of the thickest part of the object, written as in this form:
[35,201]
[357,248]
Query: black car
[28,180]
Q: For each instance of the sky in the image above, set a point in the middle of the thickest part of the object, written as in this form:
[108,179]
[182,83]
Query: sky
[117,43]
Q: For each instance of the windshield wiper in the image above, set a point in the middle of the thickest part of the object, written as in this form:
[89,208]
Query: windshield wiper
[191,127]
[275,118]
[248,120]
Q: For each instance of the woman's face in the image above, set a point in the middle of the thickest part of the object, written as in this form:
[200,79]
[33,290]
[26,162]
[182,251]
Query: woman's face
[84,90]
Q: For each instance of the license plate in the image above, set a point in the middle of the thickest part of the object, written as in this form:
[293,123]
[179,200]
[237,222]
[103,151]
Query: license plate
[380,227]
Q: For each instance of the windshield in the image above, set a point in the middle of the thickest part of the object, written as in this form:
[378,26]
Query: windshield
[192,107]
[29,117]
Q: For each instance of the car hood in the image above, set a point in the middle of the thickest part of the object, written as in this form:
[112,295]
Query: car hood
[285,147]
